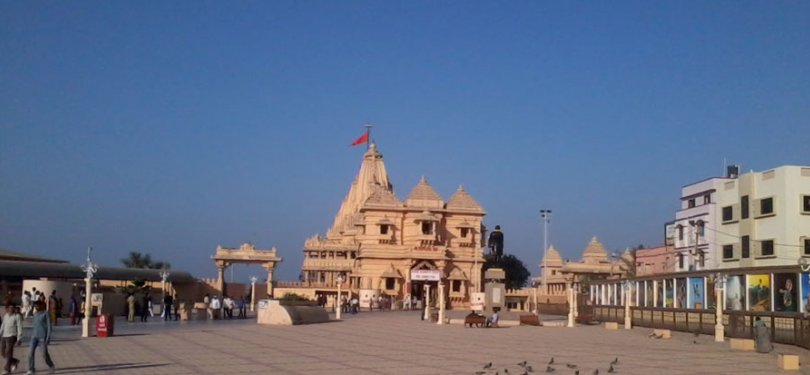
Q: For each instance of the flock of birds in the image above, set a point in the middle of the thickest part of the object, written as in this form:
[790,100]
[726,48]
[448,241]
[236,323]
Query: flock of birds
[550,368]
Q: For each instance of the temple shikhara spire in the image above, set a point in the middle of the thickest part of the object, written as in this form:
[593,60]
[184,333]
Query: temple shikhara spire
[387,247]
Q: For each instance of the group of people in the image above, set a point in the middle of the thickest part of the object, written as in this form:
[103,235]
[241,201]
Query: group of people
[217,309]
[53,304]
[11,335]
[146,308]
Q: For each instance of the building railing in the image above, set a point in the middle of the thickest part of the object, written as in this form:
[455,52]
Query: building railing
[786,328]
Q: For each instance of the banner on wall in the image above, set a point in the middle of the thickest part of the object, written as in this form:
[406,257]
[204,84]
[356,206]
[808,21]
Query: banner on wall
[759,292]
[650,294]
[735,292]
[696,292]
[711,295]
[660,301]
[785,296]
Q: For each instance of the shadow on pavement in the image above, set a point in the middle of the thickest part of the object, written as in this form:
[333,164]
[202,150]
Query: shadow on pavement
[110,367]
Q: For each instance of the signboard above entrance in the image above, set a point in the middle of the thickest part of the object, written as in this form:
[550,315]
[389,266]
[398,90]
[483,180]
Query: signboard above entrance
[426,275]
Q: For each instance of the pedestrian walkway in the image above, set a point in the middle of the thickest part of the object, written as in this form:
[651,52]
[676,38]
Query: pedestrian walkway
[392,343]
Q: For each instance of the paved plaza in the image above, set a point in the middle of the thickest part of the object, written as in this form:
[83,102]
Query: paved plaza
[390,343]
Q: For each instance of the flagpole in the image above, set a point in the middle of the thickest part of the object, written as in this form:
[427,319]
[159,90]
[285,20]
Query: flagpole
[368,131]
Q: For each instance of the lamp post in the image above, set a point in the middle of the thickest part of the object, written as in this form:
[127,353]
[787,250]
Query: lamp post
[570,284]
[253,293]
[164,276]
[90,269]
[546,216]
[628,286]
[338,305]
[719,288]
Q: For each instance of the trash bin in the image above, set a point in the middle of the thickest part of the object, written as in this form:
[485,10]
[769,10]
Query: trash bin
[105,325]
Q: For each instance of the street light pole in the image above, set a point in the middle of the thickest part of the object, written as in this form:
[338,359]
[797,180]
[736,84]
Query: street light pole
[719,289]
[90,269]
[338,305]
[546,216]
[253,293]
[628,285]
[164,275]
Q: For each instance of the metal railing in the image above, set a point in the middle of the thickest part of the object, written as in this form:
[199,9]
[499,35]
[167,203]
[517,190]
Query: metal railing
[786,328]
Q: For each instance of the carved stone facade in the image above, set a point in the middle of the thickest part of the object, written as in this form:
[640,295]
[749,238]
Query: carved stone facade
[377,240]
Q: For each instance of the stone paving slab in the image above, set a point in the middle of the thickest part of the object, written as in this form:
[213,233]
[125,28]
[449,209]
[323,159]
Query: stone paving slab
[391,343]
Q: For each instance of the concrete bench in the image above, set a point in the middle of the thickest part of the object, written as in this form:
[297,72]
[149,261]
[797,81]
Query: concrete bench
[787,362]
[530,320]
[742,344]
[611,325]
[474,320]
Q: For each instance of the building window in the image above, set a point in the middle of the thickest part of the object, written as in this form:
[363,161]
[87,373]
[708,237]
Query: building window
[701,259]
[680,261]
[691,203]
[464,232]
[383,228]
[767,247]
[390,283]
[456,287]
[746,246]
[728,213]
[707,199]
[806,204]
[728,251]
[743,207]
[427,227]
[680,232]
[807,246]
[766,206]
[701,228]
[553,272]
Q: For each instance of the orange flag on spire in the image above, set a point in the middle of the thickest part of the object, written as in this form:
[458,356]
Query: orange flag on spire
[363,139]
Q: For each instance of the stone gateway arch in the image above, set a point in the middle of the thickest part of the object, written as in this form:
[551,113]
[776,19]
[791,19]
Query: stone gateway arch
[247,254]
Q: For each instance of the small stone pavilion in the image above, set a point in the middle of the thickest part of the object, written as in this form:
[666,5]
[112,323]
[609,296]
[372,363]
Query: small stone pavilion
[381,245]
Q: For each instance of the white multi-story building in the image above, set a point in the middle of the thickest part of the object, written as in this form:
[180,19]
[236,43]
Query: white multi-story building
[696,247]
[764,218]
[750,220]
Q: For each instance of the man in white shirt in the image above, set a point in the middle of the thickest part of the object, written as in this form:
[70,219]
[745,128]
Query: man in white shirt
[11,332]
[216,306]
[26,303]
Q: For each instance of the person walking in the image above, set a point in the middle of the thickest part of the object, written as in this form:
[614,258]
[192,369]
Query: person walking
[11,330]
[26,304]
[146,303]
[40,336]
[216,307]
[167,306]
[207,302]
[242,308]
[73,310]
[177,306]
[53,307]
[130,307]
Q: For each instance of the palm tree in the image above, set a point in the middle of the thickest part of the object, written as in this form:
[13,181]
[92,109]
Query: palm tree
[138,260]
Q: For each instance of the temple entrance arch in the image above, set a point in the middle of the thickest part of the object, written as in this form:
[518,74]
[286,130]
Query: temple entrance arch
[247,254]
[423,273]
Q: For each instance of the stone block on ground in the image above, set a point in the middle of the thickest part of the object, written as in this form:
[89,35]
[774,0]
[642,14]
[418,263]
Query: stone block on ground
[787,362]
[742,344]
[611,325]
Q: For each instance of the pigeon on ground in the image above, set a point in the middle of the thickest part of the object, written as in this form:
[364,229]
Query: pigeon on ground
[551,362]
[549,369]
[480,372]
[611,369]
[529,368]
[596,372]
[488,366]
[615,361]
[576,372]
[522,364]
[570,365]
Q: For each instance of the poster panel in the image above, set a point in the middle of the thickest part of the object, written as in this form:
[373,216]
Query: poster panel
[735,292]
[696,293]
[680,293]
[669,293]
[786,296]
[759,292]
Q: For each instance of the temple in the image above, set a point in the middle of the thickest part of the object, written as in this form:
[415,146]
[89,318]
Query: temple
[382,246]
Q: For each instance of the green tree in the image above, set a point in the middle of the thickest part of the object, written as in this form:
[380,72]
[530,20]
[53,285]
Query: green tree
[516,273]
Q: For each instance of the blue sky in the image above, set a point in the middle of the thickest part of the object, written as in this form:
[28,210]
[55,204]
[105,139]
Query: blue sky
[172,127]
